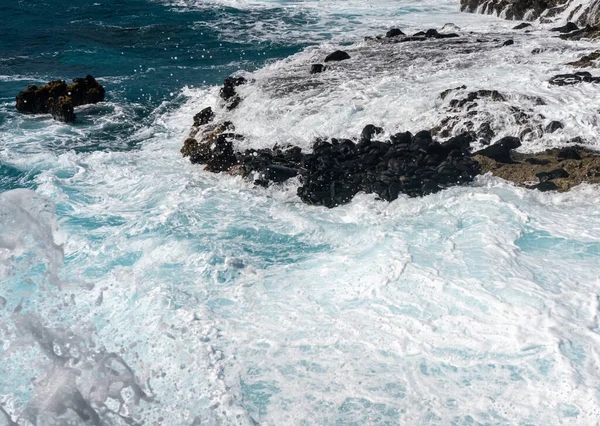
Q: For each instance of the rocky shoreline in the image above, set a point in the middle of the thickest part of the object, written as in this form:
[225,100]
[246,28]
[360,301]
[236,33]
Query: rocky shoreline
[336,169]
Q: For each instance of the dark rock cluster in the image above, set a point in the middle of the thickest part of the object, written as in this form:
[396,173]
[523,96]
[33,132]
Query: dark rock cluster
[59,99]
[575,78]
[228,92]
[337,169]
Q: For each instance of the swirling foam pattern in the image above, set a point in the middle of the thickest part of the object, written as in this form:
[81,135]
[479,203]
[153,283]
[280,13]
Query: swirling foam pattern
[139,289]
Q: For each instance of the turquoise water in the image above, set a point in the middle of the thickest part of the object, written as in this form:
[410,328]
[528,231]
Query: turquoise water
[139,289]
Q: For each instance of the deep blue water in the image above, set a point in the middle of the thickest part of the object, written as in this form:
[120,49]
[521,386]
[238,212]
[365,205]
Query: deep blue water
[143,52]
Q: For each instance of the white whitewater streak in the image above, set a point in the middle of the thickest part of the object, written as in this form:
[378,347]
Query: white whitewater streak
[239,305]
[398,86]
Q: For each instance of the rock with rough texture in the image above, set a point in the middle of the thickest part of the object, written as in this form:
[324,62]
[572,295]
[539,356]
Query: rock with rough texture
[338,55]
[204,117]
[586,13]
[554,169]
[587,61]
[62,109]
[553,126]
[575,78]
[567,28]
[59,99]
[228,92]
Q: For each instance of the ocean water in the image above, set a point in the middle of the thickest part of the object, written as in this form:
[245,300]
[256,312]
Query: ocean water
[137,288]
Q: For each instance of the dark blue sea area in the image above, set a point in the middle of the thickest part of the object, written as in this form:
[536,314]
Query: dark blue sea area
[143,52]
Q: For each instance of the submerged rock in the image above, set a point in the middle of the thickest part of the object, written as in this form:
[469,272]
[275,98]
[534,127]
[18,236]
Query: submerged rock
[59,99]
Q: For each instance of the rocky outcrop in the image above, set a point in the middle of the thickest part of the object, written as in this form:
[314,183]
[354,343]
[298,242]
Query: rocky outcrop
[586,13]
[59,99]
[337,169]
[554,169]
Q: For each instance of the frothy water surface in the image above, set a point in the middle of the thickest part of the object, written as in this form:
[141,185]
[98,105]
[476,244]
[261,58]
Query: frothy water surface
[139,289]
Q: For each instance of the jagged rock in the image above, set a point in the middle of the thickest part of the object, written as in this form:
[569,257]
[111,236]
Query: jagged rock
[473,96]
[582,165]
[394,32]
[501,150]
[589,32]
[204,117]
[217,155]
[569,27]
[62,109]
[570,79]
[317,68]
[587,60]
[522,26]
[338,55]
[190,145]
[228,92]
[59,99]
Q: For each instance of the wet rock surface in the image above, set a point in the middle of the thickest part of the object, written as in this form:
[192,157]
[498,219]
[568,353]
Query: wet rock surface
[337,169]
[575,78]
[469,140]
[586,13]
[338,55]
[228,92]
[59,99]
[553,169]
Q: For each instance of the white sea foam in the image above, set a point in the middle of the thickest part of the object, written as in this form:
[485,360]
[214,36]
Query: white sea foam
[233,304]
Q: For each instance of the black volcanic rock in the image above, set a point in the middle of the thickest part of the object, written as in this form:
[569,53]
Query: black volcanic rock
[500,151]
[394,32]
[317,68]
[228,92]
[575,78]
[522,26]
[369,131]
[545,186]
[569,27]
[204,117]
[338,55]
